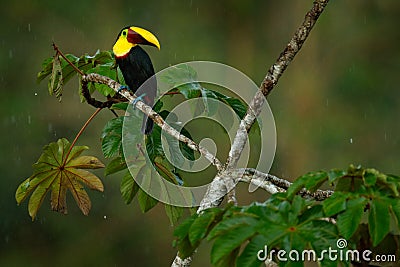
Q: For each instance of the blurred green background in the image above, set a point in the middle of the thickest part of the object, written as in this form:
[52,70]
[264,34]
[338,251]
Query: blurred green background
[338,103]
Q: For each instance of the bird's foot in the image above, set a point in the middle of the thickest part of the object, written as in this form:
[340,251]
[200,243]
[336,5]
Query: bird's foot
[139,98]
[122,87]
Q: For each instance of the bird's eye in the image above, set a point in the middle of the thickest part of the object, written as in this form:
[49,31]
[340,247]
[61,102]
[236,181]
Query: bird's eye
[124,33]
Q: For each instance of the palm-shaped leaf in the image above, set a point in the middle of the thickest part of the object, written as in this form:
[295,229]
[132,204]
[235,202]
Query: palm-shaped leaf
[58,170]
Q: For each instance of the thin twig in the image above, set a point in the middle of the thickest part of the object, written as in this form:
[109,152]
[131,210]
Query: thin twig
[79,134]
[66,59]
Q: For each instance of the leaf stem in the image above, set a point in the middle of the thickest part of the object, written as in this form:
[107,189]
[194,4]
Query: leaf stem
[66,59]
[80,133]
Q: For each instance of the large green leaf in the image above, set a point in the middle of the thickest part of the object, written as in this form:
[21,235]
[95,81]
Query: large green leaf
[180,76]
[128,188]
[335,203]
[111,143]
[250,254]
[378,220]
[60,71]
[116,165]
[174,213]
[231,240]
[60,169]
[200,227]
[349,220]
[146,202]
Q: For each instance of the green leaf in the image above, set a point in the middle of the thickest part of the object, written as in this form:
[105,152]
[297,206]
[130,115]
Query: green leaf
[229,259]
[249,256]
[182,230]
[229,224]
[190,90]
[166,172]
[311,181]
[178,151]
[369,178]
[209,102]
[174,213]
[128,188]
[393,184]
[349,220]
[174,150]
[60,71]
[120,106]
[395,203]
[185,248]
[154,146]
[67,70]
[333,175]
[378,220]
[58,170]
[56,78]
[187,152]
[229,241]
[111,143]
[83,162]
[179,75]
[200,227]
[116,165]
[47,67]
[146,202]
[237,105]
[105,70]
[335,203]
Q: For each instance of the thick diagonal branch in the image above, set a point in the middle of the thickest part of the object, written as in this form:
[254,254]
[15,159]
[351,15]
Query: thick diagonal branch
[271,79]
[216,188]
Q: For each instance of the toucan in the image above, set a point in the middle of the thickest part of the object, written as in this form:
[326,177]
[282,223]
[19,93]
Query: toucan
[136,66]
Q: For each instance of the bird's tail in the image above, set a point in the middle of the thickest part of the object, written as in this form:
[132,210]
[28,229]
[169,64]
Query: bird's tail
[147,125]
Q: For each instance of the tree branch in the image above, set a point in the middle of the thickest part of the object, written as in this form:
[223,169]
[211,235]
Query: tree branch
[272,78]
[94,77]
[255,107]
[273,184]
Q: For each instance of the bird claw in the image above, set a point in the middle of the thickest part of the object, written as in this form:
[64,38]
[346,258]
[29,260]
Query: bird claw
[122,87]
[139,98]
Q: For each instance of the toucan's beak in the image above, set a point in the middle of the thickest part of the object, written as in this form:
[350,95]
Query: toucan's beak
[138,35]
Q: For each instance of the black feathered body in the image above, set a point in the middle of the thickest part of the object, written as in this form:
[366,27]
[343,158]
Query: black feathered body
[136,67]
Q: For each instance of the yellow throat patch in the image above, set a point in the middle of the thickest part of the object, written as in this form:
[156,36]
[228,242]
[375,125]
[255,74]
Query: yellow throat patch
[122,46]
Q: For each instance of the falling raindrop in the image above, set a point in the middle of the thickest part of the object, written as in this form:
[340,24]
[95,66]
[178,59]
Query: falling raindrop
[10,53]
[105,217]
[29,119]
[35,94]
[351,140]
[29,27]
